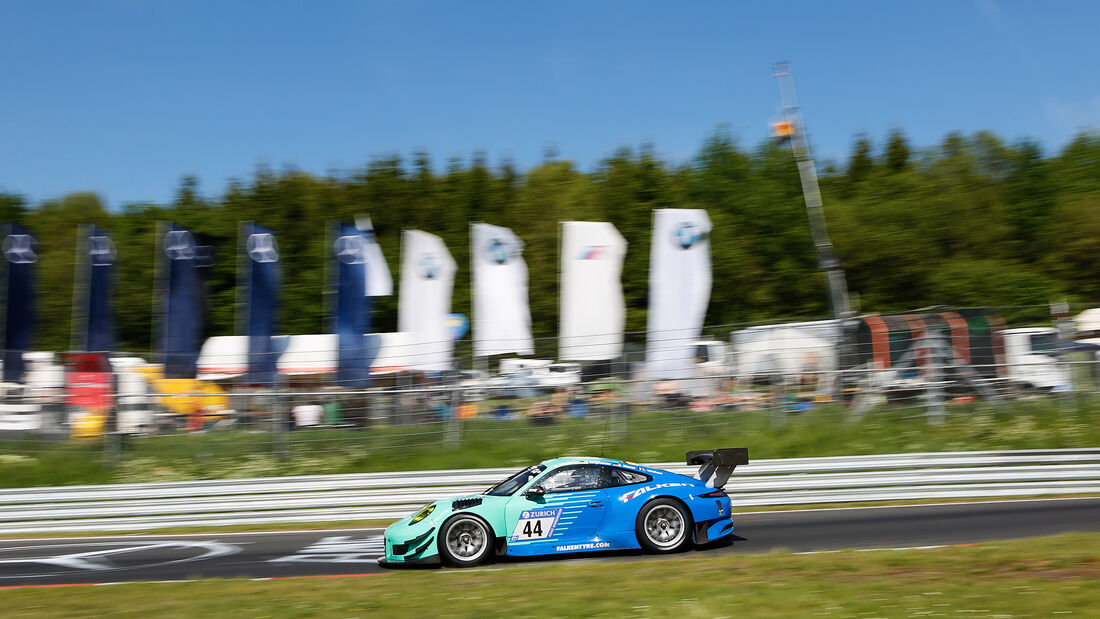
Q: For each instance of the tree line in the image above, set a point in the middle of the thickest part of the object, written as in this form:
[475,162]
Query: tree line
[972,221]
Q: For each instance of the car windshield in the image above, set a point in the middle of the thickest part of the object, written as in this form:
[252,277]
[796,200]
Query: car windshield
[515,482]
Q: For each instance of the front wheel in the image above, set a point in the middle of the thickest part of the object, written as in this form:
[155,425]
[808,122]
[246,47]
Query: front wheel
[663,526]
[464,541]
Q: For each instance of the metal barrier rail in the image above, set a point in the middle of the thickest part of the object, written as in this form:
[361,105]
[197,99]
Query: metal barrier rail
[364,496]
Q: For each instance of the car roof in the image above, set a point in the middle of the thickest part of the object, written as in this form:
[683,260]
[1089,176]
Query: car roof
[578,460]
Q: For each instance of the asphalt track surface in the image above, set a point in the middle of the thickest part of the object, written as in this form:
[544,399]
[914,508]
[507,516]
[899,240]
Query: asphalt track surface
[356,551]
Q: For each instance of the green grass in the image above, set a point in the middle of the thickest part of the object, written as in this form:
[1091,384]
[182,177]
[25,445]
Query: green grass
[1024,578]
[645,436]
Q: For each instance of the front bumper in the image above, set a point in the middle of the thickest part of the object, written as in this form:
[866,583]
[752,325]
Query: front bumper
[405,546]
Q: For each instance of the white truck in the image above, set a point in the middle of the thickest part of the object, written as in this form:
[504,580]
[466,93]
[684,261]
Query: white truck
[1031,359]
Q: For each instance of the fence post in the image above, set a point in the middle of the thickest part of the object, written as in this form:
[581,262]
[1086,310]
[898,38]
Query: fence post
[279,416]
[1063,324]
[936,411]
[452,434]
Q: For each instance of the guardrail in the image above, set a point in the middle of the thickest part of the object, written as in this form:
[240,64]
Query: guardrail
[370,496]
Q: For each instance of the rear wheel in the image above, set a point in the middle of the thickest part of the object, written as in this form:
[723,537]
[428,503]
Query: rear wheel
[465,541]
[663,525]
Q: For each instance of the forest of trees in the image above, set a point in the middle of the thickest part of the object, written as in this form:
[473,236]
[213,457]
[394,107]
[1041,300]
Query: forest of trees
[972,221]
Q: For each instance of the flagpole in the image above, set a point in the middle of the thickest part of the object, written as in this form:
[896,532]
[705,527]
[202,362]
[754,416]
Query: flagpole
[159,287]
[561,297]
[473,291]
[79,323]
[243,275]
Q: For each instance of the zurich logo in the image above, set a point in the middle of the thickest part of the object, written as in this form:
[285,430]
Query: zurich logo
[179,245]
[351,249]
[499,251]
[19,249]
[687,235]
[593,252]
[101,251]
[429,266]
[262,247]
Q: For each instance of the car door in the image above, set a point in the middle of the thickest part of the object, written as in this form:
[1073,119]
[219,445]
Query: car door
[569,511]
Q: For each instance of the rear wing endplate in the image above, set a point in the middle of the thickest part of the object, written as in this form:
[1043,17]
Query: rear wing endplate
[716,465]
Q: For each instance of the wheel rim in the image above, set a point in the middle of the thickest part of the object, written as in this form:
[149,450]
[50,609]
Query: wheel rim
[664,526]
[466,539]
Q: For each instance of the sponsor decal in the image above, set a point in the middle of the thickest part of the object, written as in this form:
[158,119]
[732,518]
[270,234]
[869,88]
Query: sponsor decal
[687,235]
[584,546]
[262,247]
[536,524]
[179,245]
[101,251]
[499,250]
[593,252]
[19,249]
[633,494]
[429,265]
[351,249]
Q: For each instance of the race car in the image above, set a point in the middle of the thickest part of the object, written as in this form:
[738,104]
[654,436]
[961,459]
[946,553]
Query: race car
[569,505]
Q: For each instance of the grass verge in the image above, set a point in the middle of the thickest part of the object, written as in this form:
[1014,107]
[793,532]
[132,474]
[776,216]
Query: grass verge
[645,437]
[1021,578]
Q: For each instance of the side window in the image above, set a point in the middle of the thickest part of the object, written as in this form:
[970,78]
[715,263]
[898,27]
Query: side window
[578,477]
[623,477]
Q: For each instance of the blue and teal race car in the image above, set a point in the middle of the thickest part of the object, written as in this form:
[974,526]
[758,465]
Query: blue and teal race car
[568,505]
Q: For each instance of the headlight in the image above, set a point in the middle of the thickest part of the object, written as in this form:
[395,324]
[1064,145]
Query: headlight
[422,514]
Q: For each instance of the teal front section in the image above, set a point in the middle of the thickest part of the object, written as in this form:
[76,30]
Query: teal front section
[407,542]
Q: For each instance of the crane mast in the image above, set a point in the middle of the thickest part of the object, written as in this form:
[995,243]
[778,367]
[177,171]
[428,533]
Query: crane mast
[793,129]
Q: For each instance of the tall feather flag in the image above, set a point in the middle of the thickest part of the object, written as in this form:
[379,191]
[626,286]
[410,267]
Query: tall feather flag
[427,283]
[502,317]
[592,307]
[379,281]
[262,299]
[352,307]
[184,304]
[679,290]
[20,252]
[99,264]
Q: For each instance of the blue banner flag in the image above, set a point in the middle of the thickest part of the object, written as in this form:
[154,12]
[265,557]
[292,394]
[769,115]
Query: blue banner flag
[183,305]
[99,328]
[352,307]
[21,252]
[263,299]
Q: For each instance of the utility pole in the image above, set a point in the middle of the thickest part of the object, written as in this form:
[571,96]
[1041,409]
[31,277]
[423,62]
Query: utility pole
[793,129]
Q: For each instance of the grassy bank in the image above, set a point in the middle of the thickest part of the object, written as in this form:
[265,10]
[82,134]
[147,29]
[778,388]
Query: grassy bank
[1025,578]
[645,436]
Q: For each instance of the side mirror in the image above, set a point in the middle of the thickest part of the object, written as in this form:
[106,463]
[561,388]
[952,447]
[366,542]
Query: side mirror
[535,491]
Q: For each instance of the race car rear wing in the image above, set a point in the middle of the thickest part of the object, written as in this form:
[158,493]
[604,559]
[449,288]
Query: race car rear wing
[716,465]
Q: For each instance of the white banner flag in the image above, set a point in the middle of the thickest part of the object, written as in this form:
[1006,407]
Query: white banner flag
[592,308]
[502,318]
[379,280]
[679,291]
[427,279]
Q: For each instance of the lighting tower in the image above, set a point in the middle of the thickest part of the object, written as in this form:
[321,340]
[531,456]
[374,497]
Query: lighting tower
[793,129]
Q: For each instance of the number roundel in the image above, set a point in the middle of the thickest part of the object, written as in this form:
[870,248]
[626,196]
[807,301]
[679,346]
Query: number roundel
[536,524]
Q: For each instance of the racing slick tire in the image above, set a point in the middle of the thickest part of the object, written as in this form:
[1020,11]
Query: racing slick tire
[663,525]
[465,541]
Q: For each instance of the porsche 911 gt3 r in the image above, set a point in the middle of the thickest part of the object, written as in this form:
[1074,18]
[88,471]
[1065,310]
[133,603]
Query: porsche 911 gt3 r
[568,505]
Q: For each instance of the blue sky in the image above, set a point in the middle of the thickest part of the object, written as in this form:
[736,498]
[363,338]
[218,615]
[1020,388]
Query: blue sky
[123,98]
